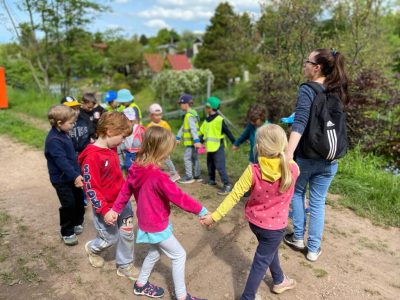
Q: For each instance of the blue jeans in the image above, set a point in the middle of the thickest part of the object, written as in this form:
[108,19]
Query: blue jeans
[318,174]
[266,257]
[130,157]
[216,161]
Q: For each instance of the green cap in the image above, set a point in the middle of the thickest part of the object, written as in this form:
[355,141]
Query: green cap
[213,102]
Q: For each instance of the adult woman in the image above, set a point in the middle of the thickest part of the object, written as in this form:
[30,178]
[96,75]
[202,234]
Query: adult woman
[325,67]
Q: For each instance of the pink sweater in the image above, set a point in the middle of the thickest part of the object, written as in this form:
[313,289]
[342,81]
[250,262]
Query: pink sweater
[267,207]
[153,191]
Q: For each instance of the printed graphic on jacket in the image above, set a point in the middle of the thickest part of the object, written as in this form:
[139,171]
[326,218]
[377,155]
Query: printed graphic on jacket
[89,192]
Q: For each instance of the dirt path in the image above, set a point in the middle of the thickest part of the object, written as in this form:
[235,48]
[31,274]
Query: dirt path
[359,260]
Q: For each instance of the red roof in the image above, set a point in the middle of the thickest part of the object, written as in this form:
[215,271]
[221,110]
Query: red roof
[179,62]
[155,61]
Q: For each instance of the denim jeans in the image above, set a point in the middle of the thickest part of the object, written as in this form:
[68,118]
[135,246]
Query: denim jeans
[130,157]
[266,256]
[216,161]
[318,175]
[120,234]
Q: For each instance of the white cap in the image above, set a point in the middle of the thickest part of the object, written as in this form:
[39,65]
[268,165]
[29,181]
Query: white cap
[155,108]
[130,113]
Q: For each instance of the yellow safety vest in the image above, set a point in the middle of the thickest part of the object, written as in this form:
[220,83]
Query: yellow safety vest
[187,136]
[212,133]
[133,105]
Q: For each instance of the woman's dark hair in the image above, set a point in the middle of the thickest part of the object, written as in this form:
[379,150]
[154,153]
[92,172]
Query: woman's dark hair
[257,111]
[332,67]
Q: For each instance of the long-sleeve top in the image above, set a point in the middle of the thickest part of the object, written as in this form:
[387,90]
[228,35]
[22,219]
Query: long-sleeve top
[266,204]
[193,130]
[249,133]
[61,157]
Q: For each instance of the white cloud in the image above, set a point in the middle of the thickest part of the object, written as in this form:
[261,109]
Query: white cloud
[157,24]
[121,1]
[176,13]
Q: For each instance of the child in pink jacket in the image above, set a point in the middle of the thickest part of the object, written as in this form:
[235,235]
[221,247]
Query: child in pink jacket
[153,191]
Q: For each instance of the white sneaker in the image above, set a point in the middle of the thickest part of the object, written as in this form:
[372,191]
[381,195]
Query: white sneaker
[291,241]
[313,256]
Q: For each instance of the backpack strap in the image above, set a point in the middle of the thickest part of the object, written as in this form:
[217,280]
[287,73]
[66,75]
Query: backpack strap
[316,87]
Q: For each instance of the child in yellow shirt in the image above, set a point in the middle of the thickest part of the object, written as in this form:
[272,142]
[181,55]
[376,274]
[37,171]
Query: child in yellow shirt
[156,114]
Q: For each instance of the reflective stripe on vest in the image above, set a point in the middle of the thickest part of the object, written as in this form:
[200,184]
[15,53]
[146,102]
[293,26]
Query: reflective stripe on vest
[212,132]
[186,135]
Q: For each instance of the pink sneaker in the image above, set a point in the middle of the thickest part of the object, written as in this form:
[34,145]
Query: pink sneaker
[287,284]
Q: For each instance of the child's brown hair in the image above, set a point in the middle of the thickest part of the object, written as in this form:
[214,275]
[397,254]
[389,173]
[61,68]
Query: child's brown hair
[89,97]
[113,123]
[157,144]
[60,113]
[272,142]
[257,112]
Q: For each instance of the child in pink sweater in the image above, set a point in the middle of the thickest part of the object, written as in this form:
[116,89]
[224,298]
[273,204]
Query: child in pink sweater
[271,183]
[153,191]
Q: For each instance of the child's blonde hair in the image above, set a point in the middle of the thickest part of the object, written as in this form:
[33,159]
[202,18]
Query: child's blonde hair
[60,113]
[113,123]
[157,144]
[271,142]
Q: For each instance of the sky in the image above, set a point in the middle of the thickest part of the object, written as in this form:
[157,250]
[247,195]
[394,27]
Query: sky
[141,16]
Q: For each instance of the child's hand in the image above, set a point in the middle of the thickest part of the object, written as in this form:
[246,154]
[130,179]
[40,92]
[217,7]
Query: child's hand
[235,148]
[206,220]
[110,217]
[79,181]
[197,145]
[178,142]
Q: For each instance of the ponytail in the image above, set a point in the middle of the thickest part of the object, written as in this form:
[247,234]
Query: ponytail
[332,67]
[286,176]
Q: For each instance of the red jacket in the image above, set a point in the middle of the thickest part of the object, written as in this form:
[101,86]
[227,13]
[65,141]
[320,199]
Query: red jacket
[153,191]
[102,176]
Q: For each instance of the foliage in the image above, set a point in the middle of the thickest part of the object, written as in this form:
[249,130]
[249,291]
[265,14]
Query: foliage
[169,85]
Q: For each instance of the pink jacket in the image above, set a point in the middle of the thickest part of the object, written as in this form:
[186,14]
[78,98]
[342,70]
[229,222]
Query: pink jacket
[153,191]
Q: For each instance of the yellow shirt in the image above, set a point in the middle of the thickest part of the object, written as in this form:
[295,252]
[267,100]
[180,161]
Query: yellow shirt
[162,123]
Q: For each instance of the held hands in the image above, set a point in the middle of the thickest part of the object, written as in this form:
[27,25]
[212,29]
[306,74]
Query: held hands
[79,181]
[235,148]
[206,220]
[197,145]
[110,217]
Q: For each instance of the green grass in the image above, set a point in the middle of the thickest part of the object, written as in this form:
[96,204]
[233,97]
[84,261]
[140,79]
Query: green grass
[20,130]
[367,189]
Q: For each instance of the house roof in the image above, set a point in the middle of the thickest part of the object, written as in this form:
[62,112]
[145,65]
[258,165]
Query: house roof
[155,61]
[179,62]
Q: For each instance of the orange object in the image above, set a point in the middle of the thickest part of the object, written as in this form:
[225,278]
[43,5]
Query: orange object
[3,89]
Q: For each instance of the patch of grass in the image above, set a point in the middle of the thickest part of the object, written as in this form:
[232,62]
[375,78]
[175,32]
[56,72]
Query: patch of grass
[7,277]
[367,189]
[4,218]
[306,264]
[320,273]
[372,292]
[30,275]
[379,246]
[22,131]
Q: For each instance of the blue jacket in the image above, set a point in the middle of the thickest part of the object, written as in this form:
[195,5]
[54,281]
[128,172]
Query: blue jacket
[249,133]
[61,157]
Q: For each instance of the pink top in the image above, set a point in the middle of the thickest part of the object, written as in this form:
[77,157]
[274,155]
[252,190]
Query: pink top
[153,191]
[267,207]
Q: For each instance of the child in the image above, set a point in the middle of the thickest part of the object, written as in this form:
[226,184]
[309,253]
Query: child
[64,171]
[214,130]
[189,132]
[131,145]
[91,108]
[156,114]
[256,116]
[153,193]
[126,99]
[83,132]
[111,101]
[272,183]
[102,183]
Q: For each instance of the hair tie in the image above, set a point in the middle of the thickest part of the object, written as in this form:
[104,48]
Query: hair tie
[334,52]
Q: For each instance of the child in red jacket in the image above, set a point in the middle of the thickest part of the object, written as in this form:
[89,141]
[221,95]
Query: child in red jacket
[102,183]
[153,191]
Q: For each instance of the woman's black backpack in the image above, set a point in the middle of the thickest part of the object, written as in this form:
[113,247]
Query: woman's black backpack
[325,135]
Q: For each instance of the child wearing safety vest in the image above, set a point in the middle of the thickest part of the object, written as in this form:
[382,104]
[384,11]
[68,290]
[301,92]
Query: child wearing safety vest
[126,99]
[214,130]
[188,135]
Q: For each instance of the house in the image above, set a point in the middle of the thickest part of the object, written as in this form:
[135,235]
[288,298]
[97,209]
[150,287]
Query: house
[156,63]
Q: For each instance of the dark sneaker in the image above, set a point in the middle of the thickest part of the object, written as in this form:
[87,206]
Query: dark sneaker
[78,229]
[149,290]
[198,179]
[287,284]
[291,241]
[210,182]
[188,297]
[70,240]
[313,256]
[185,179]
[225,190]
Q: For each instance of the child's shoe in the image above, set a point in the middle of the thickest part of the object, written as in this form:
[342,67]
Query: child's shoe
[291,241]
[198,179]
[185,179]
[225,190]
[313,256]
[149,290]
[175,177]
[70,240]
[129,272]
[287,284]
[188,297]
[78,229]
[210,182]
[95,260]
